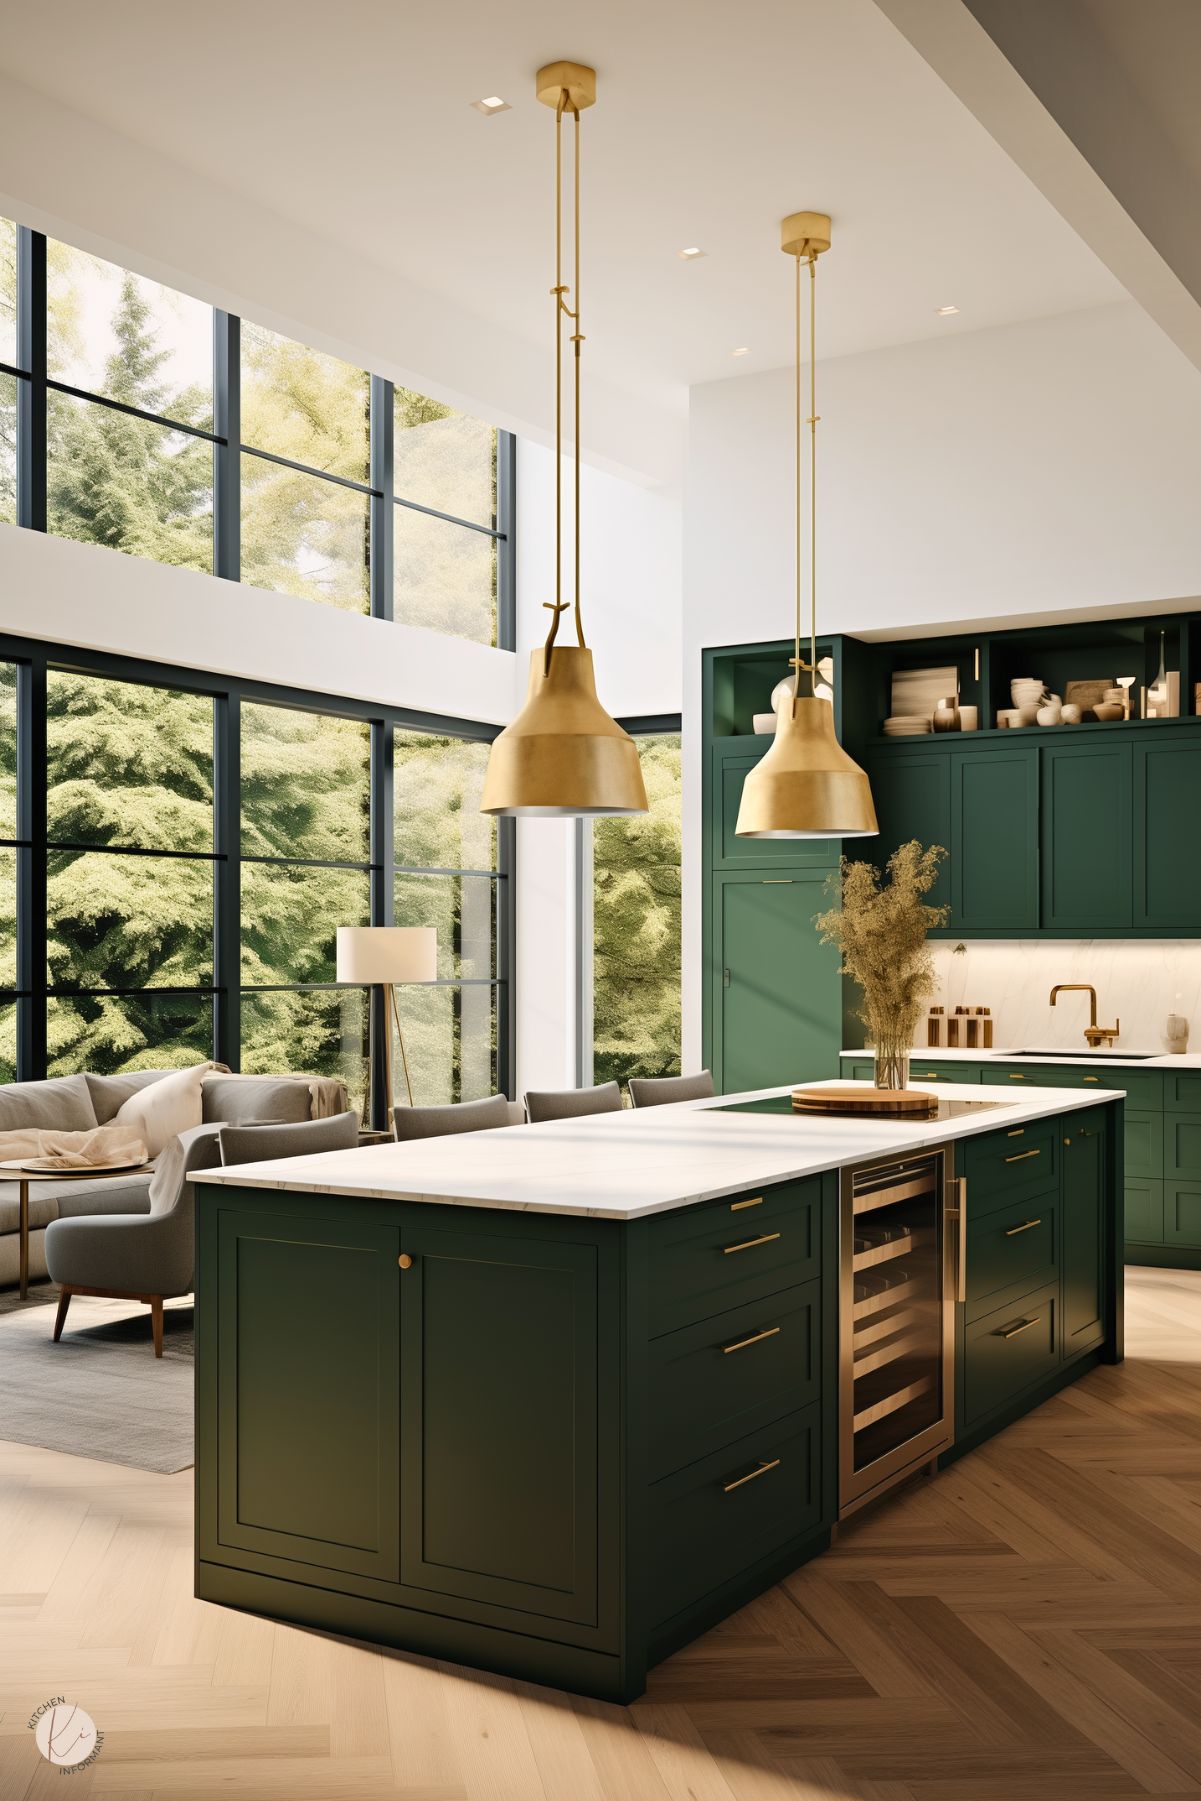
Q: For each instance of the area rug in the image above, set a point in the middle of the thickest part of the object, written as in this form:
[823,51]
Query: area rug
[100,1391]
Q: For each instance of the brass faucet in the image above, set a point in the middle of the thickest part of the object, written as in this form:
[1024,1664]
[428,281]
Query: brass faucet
[1094,1033]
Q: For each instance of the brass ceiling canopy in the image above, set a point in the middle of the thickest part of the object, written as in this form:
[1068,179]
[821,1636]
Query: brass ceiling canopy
[806,786]
[563,756]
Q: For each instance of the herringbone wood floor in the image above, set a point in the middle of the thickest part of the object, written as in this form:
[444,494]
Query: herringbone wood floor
[1026,1627]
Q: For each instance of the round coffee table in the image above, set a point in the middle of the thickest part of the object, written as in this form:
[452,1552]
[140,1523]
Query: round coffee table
[23,1177]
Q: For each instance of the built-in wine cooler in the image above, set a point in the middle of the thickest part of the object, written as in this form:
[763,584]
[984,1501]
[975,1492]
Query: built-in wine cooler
[899,1247]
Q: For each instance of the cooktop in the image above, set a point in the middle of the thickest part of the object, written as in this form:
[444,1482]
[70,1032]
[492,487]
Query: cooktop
[782,1103]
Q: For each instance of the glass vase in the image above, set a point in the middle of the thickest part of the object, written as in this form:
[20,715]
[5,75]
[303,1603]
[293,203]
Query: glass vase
[892,1062]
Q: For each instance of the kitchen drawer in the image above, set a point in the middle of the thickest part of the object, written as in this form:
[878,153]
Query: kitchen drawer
[1144,1212]
[722,1514]
[860,1071]
[718,1380]
[929,1069]
[1013,1248]
[706,1260]
[1182,1214]
[1009,1166]
[1144,1136]
[1142,1088]
[1008,1351]
[1181,1146]
[1182,1090]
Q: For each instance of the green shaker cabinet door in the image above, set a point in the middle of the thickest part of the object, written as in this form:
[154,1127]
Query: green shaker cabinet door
[994,839]
[500,1416]
[1167,844]
[308,1392]
[1083,1258]
[1086,834]
[913,800]
[732,763]
[778,1001]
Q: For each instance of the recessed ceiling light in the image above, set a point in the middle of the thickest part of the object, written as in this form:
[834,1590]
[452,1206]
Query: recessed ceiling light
[742,350]
[492,104]
[686,256]
[944,312]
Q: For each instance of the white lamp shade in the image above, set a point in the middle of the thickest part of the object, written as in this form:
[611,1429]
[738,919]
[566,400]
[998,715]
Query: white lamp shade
[373,954]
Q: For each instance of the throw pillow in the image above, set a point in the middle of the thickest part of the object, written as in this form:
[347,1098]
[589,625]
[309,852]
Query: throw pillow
[62,1104]
[108,1092]
[159,1112]
[256,1100]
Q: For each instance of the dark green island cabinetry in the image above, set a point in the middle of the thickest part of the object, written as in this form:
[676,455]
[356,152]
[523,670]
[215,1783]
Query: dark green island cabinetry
[561,1438]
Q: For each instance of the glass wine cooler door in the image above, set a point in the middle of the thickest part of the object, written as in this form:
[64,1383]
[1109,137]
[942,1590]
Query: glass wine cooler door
[897,1322]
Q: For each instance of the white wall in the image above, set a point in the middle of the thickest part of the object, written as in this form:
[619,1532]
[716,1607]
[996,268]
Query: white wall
[1043,468]
[84,594]
[630,583]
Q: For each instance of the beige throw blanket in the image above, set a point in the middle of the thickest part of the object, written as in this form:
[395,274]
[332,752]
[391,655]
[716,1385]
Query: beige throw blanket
[73,1150]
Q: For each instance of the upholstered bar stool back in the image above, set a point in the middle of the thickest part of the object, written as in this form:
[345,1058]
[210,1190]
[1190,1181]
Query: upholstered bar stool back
[659,1091]
[571,1103]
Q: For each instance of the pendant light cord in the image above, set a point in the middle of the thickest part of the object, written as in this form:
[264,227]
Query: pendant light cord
[559,291]
[799,663]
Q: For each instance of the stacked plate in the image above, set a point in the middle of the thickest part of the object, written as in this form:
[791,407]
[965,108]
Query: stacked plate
[906,725]
[1026,690]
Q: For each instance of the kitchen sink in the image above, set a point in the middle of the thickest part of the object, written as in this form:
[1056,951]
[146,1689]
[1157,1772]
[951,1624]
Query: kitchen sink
[1111,1056]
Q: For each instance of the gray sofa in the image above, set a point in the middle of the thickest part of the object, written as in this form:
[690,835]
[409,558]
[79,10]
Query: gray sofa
[82,1102]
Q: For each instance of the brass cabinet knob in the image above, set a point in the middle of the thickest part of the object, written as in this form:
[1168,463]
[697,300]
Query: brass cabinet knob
[404,1260]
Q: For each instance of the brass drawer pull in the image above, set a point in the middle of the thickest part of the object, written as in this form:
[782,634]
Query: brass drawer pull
[1027,1227]
[1090,1078]
[727,1488]
[1017,1075]
[1018,1132]
[1021,1156]
[737,1206]
[748,1244]
[1023,1325]
[740,1344]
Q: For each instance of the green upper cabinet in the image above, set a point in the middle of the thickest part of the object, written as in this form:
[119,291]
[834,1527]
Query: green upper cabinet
[1086,832]
[733,760]
[777,1000]
[994,839]
[1167,842]
[913,800]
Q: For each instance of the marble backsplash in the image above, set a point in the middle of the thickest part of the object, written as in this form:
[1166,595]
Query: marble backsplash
[1138,983]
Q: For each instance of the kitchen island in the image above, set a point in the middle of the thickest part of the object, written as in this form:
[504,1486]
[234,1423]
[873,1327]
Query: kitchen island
[552,1400]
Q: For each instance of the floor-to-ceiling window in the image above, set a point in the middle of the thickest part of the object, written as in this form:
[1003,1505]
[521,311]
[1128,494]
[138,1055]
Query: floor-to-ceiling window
[176,848]
[635,911]
[177,851]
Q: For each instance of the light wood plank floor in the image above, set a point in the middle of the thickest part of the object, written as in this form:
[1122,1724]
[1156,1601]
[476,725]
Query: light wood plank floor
[1026,1627]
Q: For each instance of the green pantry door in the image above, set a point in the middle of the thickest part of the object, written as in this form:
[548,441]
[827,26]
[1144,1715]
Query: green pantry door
[777,997]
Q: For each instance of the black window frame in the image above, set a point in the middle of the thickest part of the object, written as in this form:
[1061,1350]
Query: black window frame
[34,384]
[33,659]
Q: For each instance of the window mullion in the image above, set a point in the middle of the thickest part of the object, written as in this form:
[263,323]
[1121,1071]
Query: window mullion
[31,394]
[227,457]
[382,478]
[227,879]
[32,923]
[506,548]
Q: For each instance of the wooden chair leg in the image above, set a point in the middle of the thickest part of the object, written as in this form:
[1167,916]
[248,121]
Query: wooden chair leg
[156,1322]
[60,1318]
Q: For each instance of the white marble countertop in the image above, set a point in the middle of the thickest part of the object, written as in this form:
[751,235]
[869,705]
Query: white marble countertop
[630,1164]
[1135,1058]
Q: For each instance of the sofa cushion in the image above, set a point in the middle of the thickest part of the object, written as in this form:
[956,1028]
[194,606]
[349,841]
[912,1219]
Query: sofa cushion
[256,1100]
[67,1199]
[62,1104]
[110,1092]
[162,1110]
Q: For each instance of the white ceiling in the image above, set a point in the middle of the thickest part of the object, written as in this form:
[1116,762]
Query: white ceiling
[713,120]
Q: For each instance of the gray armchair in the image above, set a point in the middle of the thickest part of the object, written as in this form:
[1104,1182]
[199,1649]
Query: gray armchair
[136,1256]
[149,1257]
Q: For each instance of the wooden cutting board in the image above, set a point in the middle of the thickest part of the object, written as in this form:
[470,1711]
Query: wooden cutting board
[851,1100]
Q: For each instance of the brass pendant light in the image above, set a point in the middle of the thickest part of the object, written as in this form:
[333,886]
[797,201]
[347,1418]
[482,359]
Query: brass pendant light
[563,756]
[806,786]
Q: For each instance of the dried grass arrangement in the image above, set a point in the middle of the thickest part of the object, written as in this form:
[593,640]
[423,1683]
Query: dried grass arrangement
[880,929]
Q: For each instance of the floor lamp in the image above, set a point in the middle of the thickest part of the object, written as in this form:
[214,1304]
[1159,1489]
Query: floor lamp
[380,957]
